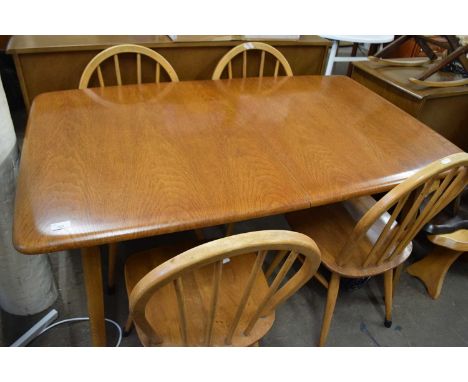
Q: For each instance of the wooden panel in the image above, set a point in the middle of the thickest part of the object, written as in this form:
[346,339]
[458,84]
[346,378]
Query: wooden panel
[56,43]
[404,101]
[52,63]
[449,117]
[138,160]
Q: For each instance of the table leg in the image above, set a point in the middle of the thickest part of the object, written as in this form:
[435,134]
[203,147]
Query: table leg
[432,269]
[91,260]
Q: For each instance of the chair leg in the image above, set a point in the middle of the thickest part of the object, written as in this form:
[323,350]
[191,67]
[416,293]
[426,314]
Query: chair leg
[396,276]
[333,288]
[388,283]
[128,326]
[112,262]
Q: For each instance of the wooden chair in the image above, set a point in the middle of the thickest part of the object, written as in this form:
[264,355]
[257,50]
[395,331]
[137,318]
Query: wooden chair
[381,240]
[226,60]
[95,64]
[216,294]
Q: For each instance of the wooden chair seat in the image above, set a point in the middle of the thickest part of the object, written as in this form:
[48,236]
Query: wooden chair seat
[332,225]
[162,309]
[458,240]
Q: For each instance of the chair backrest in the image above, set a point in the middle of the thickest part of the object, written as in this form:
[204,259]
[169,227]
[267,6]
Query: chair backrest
[408,207]
[226,60]
[285,245]
[114,51]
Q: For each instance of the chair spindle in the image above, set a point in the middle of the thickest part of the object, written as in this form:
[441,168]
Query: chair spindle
[101,79]
[244,64]
[262,64]
[138,56]
[257,267]
[278,258]
[117,70]
[217,271]
[182,311]
[276,68]
[271,291]
[158,72]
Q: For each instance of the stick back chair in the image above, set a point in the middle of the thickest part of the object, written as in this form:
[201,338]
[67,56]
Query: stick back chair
[226,60]
[216,294]
[381,240]
[94,66]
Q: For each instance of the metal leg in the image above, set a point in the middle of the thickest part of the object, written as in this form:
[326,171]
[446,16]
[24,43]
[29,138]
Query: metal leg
[331,58]
[91,259]
[32,333]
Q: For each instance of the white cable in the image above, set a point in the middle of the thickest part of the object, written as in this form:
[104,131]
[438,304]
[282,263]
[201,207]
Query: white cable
[83,319]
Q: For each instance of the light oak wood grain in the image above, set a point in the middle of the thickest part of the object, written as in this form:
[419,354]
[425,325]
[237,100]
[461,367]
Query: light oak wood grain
[140,160]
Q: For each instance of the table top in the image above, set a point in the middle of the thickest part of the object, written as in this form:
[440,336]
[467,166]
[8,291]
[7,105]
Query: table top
[110,164]
[398,77]
[60,43]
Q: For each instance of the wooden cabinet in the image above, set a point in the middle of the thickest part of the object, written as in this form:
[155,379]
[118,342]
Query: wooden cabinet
[48,63]
[445,110]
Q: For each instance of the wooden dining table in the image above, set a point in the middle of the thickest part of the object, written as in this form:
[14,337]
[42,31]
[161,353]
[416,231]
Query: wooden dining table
[110,164]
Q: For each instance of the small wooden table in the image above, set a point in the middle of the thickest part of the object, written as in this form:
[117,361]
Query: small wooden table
[110,164]
[443,109]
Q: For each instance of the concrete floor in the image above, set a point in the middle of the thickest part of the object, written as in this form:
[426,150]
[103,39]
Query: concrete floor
[358,320]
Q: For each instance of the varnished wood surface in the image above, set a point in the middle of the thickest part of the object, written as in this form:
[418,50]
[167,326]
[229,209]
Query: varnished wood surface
[139,160]
[458,240]
[51,63]
[433,268]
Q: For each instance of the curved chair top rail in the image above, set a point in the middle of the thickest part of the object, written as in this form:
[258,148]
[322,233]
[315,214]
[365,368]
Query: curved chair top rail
[114,51]
[415,202]
[226,60]
[289,244]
